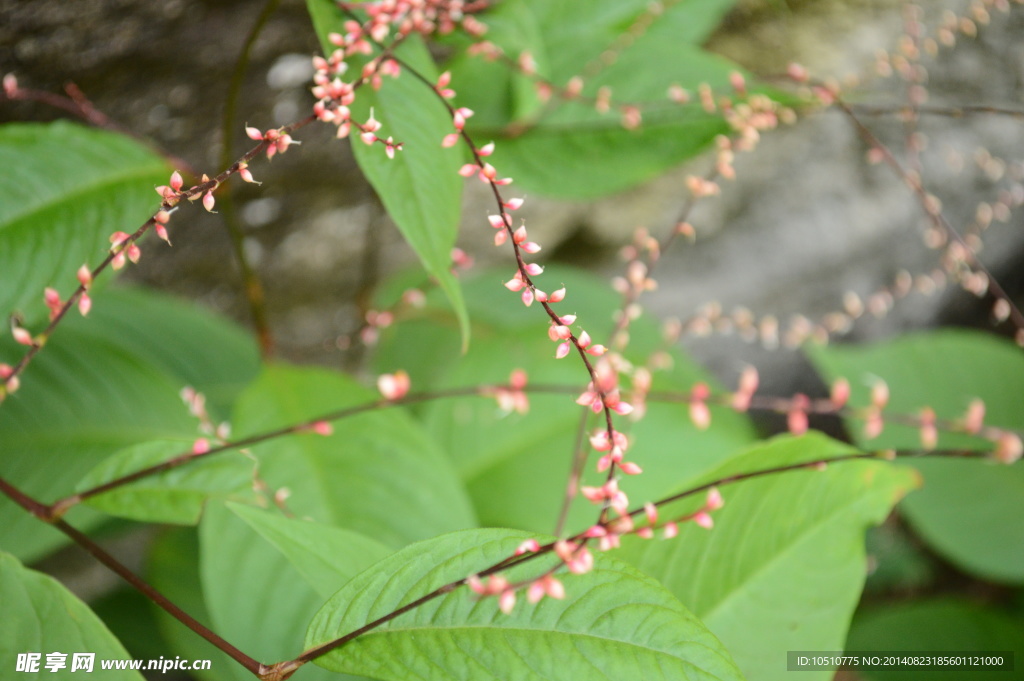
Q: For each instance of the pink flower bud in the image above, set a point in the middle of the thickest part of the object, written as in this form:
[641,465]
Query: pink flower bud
[176,181]
[161,232]
[246,174]
[557,296]
[208,201]
[468,169]
[10,85]
[450,140]
[880,394]
[84,276]
[562,350]
[52,299]
[22,336]
[929,432]
[840,393]
[714,500]
[797,72]
[975,417]
[322,428]
[497,221]
[527,296]
[254,134]
[134,252]
[528,546]
[393,386]
[700,415]
[1009,448]
[796,419]
[671,530]
[507,601]
[486,150]
[514,204]
[476,585]
[703,519]
[201,446]
[630,468]
[84,304]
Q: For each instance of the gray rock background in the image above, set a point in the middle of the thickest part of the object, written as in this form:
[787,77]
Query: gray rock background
[805,221]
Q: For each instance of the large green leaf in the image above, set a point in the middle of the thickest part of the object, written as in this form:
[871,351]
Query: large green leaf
[378,473]
[63,189]
[259,597]
[516,466]
[103,383]
[962,510]
[941,627]
[420,188]
[784,565]
[198,348]
[41,616]
[615,623]
[568,149]
[174,496]
[326,556]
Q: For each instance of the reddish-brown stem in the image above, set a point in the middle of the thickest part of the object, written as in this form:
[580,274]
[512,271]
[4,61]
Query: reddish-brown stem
[251,284]
[513,561]
[78,105]
[579,461]
[185,194]
[38,510]
[950,111]
[937,219]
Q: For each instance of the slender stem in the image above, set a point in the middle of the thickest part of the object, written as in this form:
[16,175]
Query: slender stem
[936,217]
[950,111]
[251,283]
[134,580]
[579,460]
[513,561]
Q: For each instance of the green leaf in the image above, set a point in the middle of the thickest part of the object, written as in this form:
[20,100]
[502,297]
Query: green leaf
[64,189]
[206,351]
[784,565]
[962,509]
[515,465]
[175,496]
[944,626]
[420,188]
[566,148]
[258,597]
[102,384]
[615,623]
[325,556]
[41,616]
[378,474]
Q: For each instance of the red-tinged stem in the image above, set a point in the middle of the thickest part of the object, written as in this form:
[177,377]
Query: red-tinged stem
[186,194]
[936,217]
[251,283]
[38,510]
